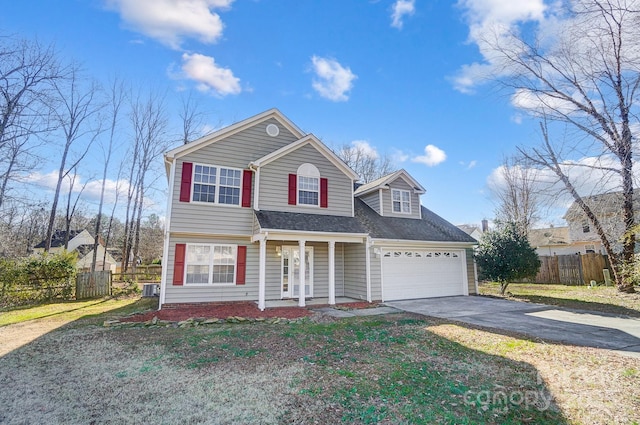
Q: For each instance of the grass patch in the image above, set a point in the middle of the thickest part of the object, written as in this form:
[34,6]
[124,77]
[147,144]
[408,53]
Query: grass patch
[398,368]
[600,298]
[73,310]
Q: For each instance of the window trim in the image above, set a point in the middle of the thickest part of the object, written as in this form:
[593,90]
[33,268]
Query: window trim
[211,264]
[298,189]
[400,191]
[217,185]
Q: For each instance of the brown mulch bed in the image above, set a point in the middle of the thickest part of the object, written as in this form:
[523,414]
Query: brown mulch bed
[248,310]
[178,312]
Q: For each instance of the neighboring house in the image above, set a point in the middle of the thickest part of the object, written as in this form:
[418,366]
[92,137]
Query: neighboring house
[474,231]
[81,242]
[608,208]
[262,211]
[552,241]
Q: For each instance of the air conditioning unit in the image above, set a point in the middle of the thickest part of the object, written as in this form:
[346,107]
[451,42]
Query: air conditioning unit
[150,290]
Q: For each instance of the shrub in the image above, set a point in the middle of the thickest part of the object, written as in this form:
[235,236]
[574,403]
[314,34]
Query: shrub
[36,279]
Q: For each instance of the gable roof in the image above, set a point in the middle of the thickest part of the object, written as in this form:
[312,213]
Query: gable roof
[431,227]
[548,236]
[232,129]
[312,140]
[383,181]
[602,205]
[58,237]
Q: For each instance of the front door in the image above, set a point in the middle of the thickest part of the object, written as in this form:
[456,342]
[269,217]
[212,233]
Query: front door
[291,272]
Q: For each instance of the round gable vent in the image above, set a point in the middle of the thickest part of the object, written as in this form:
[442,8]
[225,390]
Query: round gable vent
[273,130]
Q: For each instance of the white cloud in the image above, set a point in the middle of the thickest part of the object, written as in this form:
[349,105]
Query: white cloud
[433,156]
[492,20]
[333,81]
[399,156]
[91,191]
[171,21]
[472,164]
[209,76]
[538,103]
[365,148]
[401,8]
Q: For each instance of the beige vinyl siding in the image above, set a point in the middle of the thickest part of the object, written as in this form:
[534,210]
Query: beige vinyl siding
[375,268]
[387,208]
[471,271]
[373,200]
[236,151]
[320,270]
[355,275]
[213,293]
[274,184]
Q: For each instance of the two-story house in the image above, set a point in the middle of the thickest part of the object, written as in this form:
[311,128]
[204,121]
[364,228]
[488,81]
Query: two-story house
[608,208]
[81,242]
[261,211]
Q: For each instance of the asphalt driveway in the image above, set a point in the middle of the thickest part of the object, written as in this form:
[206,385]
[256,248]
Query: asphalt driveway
[550,323]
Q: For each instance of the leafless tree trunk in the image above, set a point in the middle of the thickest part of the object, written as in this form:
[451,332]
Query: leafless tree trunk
[516,195]
[72,204]
[117,93]
[27,71]
[149,122]
[78,109]
[584,73]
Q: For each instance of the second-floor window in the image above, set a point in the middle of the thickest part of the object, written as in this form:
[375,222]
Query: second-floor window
[216,185]
[585,227]
[401,200]
[308,185]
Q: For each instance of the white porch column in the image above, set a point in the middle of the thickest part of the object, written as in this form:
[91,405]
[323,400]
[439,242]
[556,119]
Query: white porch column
[332,272]
[367,260]
[262,275]
[303,271]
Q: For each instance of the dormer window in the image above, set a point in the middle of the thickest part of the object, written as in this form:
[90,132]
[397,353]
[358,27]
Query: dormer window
[401,200]
[308,185]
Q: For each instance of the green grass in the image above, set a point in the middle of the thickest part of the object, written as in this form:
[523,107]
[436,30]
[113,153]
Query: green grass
[600,298]
[73,310]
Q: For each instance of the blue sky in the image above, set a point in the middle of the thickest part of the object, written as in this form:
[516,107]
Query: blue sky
[403,77]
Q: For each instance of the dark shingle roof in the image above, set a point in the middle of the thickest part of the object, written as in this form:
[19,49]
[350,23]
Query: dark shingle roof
[57,239]
[308,222]
[431,227]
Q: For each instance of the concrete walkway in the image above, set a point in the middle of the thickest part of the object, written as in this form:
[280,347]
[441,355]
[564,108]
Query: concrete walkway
[335,312]
[576,327]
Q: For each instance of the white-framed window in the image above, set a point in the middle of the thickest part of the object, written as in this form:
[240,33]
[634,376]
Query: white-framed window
[213,264]
[401,200]
[216,185]
[308,185]
[585,226]
[590,249]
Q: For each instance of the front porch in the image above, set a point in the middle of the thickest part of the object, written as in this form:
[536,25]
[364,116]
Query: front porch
[310,302]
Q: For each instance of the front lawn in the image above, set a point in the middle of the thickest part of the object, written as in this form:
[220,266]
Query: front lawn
[605,299]
[392,369]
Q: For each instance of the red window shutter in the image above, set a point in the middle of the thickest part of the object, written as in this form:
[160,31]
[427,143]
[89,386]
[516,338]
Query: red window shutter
[293,189]
[178,264]
[246,188]
[241,264]
[185,182]
[324,194]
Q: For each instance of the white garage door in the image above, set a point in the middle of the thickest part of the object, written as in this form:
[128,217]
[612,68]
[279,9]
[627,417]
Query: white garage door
[410,274]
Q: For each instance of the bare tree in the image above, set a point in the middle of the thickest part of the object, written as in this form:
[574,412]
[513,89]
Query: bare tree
[27,71]
[149,122]
[116,99]
[366,162]
[77,120]
[516,195]
[72,204]
[582,72]
[192,118]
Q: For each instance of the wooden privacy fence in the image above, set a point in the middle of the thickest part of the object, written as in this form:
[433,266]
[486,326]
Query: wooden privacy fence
[577,269]
[150,273]
[90,285]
